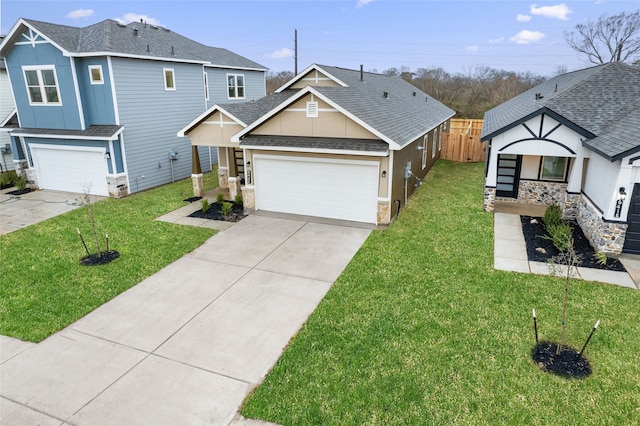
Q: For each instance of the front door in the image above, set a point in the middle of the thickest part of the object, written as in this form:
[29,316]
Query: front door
[632,240]
[508,175]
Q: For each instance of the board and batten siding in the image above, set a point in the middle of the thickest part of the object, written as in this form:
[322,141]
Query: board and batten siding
[152,116]
[6,107]
[254,85]
[64,116]
[97,99]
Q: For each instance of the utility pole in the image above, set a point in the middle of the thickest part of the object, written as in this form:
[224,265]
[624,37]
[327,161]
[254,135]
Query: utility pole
[295,51]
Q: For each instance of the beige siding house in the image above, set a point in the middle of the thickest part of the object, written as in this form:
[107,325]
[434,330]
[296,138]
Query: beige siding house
[332,142]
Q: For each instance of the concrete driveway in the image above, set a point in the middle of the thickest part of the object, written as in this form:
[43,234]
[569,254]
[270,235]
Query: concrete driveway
[186,345]
[18,211]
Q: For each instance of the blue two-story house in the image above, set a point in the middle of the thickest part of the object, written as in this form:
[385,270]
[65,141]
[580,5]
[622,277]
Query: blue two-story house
[98,108]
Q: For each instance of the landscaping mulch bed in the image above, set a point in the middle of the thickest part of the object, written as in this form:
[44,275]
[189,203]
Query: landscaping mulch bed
[534,236]
[104,258]
[569,363]
[20,191]
[237,213]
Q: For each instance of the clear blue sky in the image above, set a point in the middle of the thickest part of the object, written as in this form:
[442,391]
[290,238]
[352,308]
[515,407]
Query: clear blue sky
[456,35]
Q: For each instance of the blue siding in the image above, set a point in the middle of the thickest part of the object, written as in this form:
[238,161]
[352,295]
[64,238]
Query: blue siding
[254,82]
[97,102]
[65,116]
[117,153]
[152,117]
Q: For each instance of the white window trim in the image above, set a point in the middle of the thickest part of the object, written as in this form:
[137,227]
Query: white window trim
[434,144]
[424,150]
[39,69]
[235,78]
[206,86]
[173,78]
[99,68]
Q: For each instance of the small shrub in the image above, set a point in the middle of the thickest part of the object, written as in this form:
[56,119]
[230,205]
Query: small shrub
[226,208]
[205,205]
[20,182]
[220,198]
[552,216]
[561,236]
[601,257]
[238,199]
[7,178]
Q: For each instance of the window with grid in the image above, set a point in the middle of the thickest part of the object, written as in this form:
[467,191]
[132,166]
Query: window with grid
[42,85]
[235,86]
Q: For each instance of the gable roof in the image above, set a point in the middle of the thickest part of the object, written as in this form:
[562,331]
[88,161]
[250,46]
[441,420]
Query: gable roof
[136,39]
[398,118]
[594,101]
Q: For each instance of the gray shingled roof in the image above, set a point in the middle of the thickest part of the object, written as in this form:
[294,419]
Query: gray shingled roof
[596,101]
[111,37]
[365,145]
[404,115]
[101,131]
[250,111]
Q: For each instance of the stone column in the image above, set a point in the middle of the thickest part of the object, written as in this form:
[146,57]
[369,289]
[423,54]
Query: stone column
[198,184]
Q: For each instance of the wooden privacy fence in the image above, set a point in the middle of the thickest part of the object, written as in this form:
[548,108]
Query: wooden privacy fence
[466,126]
[462,148]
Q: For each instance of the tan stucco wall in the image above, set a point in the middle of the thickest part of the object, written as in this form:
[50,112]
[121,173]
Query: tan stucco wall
[293,121]
[216,130]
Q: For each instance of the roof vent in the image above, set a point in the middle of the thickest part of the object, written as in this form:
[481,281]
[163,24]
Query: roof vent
[135,32]
[385,94]
[361,72]
[173,51]
[539,96]
[414,93]
[426,99]
[148,50]
[556,87]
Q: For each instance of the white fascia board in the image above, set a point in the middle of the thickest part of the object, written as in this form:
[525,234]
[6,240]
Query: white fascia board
[18,25]
[132,56]
[183,132]
[317,150]
[304,72]
[300,94]
[229,67]
[409,140]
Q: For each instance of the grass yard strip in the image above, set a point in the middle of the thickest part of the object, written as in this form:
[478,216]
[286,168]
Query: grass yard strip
[420,329]
[44,288]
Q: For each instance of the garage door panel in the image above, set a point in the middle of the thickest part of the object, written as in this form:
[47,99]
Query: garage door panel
[70,170]
[346,190]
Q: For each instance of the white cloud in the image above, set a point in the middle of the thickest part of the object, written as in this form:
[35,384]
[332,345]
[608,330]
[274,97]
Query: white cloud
[496,40]
[362,3]
[526,37]
[523,18]
[559,11]
[473,48]
[281,53]
[136,17]
[80,13]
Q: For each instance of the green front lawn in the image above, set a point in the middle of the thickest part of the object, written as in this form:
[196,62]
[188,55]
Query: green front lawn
[44,288]
[420,329]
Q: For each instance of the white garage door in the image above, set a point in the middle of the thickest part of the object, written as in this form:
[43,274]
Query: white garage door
[68,168]
[337,189]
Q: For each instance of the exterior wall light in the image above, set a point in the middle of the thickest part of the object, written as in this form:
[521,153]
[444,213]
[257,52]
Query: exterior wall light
[622,195]
[384,173]
[107,155]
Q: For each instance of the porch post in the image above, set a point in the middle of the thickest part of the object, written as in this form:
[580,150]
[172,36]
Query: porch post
[196,173]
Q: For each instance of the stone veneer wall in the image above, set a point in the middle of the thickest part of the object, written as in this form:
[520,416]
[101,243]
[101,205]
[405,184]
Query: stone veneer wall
[607,237]
[248,198]
[384,212]
[538,193]
[489,198]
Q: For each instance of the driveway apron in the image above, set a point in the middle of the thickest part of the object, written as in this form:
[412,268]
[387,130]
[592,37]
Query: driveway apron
[186,345]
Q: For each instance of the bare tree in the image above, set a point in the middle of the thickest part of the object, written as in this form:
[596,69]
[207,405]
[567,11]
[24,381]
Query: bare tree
[610,39]
[276,80]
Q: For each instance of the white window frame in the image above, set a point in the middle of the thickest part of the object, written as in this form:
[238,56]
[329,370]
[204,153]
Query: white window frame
[206,86]
[434,144]
[235,86]
[425,144]
[41,86]
[99,69]
[173,79]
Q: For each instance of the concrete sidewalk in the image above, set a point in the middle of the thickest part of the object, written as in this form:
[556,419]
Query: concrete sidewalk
[510,254]
[186,345]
